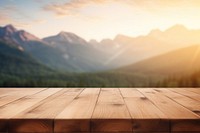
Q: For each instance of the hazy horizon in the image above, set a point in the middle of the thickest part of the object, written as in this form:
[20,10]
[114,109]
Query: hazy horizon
[105,37]
[98,19]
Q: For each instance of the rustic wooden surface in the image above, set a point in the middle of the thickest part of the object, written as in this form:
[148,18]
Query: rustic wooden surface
[100,110]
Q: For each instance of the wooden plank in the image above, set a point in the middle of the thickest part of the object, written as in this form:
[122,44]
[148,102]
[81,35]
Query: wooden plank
[152,132]
[9,110]
[185,125]
[109,132]
[181,118]
[184,132]
[76,116]
[129,132]
[146,116]
[5,91]
[187,102]
[8,95]
[195,90]
[187,93]
[13,91]
[40,117]
[11,95]
[119,132]
[111,113]
[169,107]
[12,109]
[130,92]
[141,107]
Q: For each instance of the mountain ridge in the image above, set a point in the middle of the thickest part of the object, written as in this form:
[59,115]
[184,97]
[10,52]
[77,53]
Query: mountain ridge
[170,63]
[69,52]
[71,61]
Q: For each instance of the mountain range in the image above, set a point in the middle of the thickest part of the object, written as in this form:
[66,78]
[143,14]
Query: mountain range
[64,52]
[175,51]
[177,62]
[127,50]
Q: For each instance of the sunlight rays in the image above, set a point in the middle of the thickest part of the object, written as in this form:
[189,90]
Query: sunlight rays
[195,57]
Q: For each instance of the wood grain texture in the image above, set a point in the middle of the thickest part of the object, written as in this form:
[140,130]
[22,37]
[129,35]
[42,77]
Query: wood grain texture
[170,108]
[111,113]
[16,107]
[189,125]
[131,92]
[10,110]
[76,116]
[146,116]
[179,115]
[185,101]
[187,93]
[99,110]
[15,94]
[196,90]
[38,118]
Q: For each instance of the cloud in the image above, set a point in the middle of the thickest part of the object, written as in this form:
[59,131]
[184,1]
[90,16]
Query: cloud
[4,19]
[40,21]
[5,15]
[159,5]
[11,14]
[73,7]
[29,23]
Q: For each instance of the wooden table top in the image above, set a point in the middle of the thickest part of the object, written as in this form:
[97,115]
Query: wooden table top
[100,110]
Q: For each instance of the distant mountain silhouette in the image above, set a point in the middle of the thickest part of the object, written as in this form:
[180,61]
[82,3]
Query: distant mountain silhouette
[127,50]
[178,35]
[36,47]
[10,34]
[179,62]
[62,52]
[68,52]
[77,51]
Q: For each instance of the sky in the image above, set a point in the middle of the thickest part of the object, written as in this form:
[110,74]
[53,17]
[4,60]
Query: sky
[98,19]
